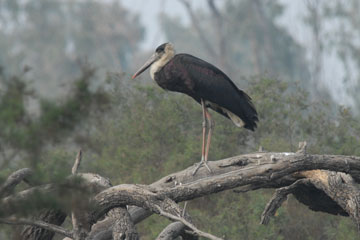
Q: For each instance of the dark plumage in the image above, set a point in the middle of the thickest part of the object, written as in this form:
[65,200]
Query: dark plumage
[204,82]
[201,80]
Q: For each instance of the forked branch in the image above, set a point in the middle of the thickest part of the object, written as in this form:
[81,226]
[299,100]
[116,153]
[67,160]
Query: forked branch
[331,176]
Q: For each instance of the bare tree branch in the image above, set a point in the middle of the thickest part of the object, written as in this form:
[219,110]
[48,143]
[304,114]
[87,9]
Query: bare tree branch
[78,228]
[143,197]
[278,198]
[221,37]
[230,173]
[117,224]
[50,216]
[189,225]
[175,229]
[36,223]
[13,180]
[172,231]
[260,168]
[198,28]
[247,172]
[341,188]
[123,227]
[92,182]
[77,162]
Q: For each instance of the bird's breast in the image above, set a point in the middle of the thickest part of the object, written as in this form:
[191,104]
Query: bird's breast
[174,78]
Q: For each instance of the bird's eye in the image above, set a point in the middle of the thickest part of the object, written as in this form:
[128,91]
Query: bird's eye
[160,48]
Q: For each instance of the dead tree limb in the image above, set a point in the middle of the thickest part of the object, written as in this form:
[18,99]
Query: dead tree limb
[123,227]
[266,169]
[77,162]
[92,182]
[40,224]
[186,223]
[278,198]
[79,232]
[172,231]
[13,180]
[339,187]
[332,179]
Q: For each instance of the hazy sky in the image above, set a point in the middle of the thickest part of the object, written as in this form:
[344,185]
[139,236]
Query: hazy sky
[292,20]
[149,11]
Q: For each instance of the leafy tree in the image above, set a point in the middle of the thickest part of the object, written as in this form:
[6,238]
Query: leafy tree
[140,132]
[24,136]
[150,131]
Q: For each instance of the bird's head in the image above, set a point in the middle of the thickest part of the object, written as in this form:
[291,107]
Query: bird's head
[162,55]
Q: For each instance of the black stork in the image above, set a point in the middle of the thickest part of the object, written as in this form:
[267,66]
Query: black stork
[205,83]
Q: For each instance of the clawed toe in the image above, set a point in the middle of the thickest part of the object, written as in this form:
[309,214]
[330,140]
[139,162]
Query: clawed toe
[202,162]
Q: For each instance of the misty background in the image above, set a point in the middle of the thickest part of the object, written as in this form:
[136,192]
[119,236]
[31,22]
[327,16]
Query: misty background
[65,84]
[294,19]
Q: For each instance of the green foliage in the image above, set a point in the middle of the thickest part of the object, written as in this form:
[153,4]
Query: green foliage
[24,136]
[342,230]
[140,133]
[149,114]
[151,133]
[239,216]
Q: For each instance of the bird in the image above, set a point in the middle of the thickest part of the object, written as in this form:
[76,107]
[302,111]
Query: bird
[207,85]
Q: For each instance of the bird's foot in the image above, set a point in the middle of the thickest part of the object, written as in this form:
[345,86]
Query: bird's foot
[202,162]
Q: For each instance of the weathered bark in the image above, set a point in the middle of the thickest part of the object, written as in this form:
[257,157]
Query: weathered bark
[78,215]
[172,231]
[341,188]
[52,216]
[13,180]
[329,178]
[261,168]
[278,198]
[123,227]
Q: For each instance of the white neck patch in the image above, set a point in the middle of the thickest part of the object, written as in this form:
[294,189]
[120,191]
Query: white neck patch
[165,58]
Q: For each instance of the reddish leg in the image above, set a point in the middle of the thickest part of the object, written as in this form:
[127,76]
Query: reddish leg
[203,153]
[204,125]
[211,123]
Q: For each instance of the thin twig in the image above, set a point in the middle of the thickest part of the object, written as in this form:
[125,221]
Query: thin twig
[184,209]
[186,223]
[77,162]
[75,223]
[37,223]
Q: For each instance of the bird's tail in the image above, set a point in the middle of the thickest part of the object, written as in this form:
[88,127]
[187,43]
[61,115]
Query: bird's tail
[250,116]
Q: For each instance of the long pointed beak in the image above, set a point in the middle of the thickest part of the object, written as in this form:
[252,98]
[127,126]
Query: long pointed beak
[148,63]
